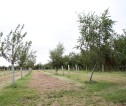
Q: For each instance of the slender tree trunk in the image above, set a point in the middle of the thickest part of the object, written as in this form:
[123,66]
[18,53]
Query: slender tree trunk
[93,71]
[68,70]
[63,70]
[86,68]
[4,71]
[12,68]
[56,72]
[8,71]
[21,71]
[102,68]
[76,67]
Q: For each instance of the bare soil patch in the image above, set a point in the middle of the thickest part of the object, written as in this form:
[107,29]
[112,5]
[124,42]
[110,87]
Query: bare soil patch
[44,82]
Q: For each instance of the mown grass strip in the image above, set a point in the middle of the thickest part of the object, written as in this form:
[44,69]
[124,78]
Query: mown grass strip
[18,94]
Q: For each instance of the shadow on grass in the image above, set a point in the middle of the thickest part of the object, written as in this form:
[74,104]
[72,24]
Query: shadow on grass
[90,82]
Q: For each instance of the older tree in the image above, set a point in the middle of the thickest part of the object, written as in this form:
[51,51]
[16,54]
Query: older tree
[96,36]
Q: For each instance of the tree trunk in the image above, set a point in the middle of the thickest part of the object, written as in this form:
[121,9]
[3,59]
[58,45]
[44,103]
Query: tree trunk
[56,72]
[68,70]
[86,68]
[92,72]
[102,68]
[12,68]
[21,71]
[4,71]
[76,67]
[63,70]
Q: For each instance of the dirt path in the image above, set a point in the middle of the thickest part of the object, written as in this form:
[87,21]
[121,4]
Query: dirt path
[4,80]
[44,82]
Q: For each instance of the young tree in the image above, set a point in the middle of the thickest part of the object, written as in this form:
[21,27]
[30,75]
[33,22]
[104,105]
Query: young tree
[23,55]
[31,59]
[96,35]
[12,46]
[56,56]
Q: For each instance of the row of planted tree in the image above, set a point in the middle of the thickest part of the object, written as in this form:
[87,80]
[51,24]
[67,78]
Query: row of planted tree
[19,73]
[16,51]
[99,44]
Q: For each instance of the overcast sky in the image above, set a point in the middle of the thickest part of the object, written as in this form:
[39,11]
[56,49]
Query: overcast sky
[48,22]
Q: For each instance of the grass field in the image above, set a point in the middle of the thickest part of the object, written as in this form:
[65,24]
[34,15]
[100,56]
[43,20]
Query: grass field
[105,90]
[105,86]
[18,94]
